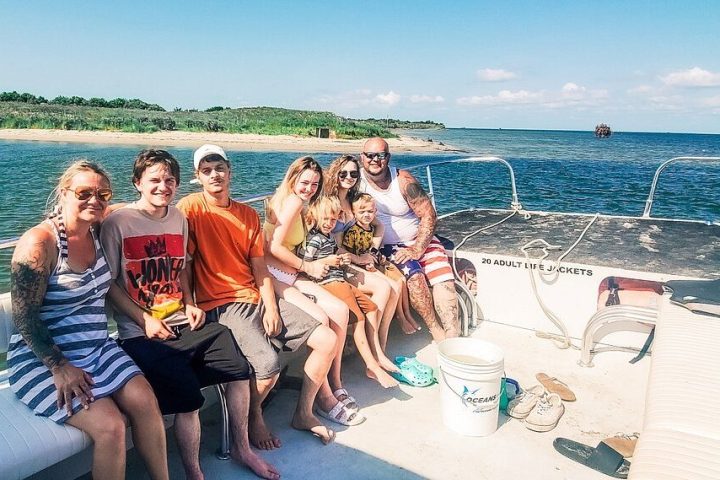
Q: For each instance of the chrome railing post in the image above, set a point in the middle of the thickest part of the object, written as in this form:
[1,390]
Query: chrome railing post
[656,177]
[8,243]
[514,202]
[430,187]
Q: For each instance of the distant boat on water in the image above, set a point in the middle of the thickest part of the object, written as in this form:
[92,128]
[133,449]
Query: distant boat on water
[602,130]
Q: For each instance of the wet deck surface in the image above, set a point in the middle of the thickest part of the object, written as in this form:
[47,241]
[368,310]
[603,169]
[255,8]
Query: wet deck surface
[648,245]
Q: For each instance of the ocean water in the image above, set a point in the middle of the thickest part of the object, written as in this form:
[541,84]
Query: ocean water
[556,171]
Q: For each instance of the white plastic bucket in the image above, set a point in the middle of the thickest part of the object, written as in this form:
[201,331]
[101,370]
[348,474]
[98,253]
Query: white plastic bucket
[470,374]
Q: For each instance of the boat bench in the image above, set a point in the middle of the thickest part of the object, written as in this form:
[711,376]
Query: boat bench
[681,427]
[29,443]
[611,319]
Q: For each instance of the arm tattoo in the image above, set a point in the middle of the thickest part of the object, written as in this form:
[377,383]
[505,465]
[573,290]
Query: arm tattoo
[28,282]
[415,192]
[422,207]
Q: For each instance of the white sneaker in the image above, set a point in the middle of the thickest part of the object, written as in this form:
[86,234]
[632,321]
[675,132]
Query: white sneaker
[522,405]
[546,414]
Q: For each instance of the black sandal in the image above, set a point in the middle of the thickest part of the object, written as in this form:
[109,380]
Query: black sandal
[602,458]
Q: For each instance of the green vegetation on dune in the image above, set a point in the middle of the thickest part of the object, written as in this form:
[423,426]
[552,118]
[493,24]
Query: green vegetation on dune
[76,113]
[135,103]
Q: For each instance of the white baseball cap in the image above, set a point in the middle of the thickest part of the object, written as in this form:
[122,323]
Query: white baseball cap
[206,150]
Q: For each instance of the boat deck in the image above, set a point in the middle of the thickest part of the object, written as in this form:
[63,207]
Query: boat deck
[404,438]
[683,248]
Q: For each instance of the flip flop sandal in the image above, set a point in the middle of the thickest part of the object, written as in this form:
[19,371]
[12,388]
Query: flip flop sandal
[553,385]
[413,375]
[602,458]
[340,414]
[624,443]
[413,362]
[349,401]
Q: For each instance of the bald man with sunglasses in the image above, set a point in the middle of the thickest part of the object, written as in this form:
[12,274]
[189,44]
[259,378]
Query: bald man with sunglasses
[409,219]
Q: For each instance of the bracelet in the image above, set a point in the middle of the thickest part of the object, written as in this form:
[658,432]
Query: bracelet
[302,262]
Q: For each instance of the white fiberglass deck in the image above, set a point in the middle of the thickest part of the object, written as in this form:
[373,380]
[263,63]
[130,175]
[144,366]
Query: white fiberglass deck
[404,438]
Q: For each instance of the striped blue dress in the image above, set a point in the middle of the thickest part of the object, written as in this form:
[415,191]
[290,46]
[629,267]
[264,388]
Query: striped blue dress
[74,311]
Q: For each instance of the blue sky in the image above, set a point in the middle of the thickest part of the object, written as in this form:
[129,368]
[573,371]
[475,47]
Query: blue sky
[636,65]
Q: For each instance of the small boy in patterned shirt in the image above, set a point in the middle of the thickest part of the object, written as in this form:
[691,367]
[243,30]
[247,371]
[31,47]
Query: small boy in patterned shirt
[360,240]
[321,244]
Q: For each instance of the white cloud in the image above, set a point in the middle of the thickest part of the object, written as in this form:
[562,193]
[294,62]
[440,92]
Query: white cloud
[495,75]
[694,77]
[577,95]
[570,94]
[504,97]
[573,89]
[390,98]
[426,99]
[359,98]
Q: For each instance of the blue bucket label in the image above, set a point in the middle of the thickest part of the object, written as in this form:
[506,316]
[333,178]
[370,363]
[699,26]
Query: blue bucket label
[478,403]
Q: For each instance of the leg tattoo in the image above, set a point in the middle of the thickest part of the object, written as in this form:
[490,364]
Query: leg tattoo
[421,301]
[446,307]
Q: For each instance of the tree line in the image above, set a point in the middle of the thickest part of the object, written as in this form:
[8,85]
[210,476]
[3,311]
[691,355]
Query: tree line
[24,110]
[134,103]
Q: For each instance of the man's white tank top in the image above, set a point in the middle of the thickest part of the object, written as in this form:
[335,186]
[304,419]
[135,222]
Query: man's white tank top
[401,223]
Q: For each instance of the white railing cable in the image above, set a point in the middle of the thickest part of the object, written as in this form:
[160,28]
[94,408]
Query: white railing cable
[563,340]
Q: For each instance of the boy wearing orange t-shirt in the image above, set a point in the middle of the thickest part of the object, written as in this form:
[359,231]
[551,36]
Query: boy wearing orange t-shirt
[232,285]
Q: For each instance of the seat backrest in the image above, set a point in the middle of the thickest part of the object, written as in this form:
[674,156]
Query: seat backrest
[7,326]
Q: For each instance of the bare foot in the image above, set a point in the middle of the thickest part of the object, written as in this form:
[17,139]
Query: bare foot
[314,426]
[254,462]
[409,326]
[382,377]
[386,364]
[260,436]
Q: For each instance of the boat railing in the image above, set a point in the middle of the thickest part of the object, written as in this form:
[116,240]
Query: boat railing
[515,203]
[11,242]
[650,199]
[8,243]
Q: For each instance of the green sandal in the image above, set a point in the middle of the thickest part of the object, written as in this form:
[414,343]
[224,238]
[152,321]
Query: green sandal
[413,373]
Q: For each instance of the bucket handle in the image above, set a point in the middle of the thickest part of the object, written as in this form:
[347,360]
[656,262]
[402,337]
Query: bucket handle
[487,408]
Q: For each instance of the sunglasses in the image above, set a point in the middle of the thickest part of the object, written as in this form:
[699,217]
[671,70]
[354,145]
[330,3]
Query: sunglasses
[84,193]
[344,173]
[378,155]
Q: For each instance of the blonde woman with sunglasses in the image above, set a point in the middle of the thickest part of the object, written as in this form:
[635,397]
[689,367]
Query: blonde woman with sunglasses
[285,231]
[62,362]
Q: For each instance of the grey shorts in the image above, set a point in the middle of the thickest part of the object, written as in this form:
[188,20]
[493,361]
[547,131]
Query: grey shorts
[245,320]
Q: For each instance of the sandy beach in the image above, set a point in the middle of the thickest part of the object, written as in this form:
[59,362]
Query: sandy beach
[230,141]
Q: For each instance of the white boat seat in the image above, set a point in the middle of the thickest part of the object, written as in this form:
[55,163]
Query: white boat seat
[30,444]
[614,318]
[681,427]
[7,327]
